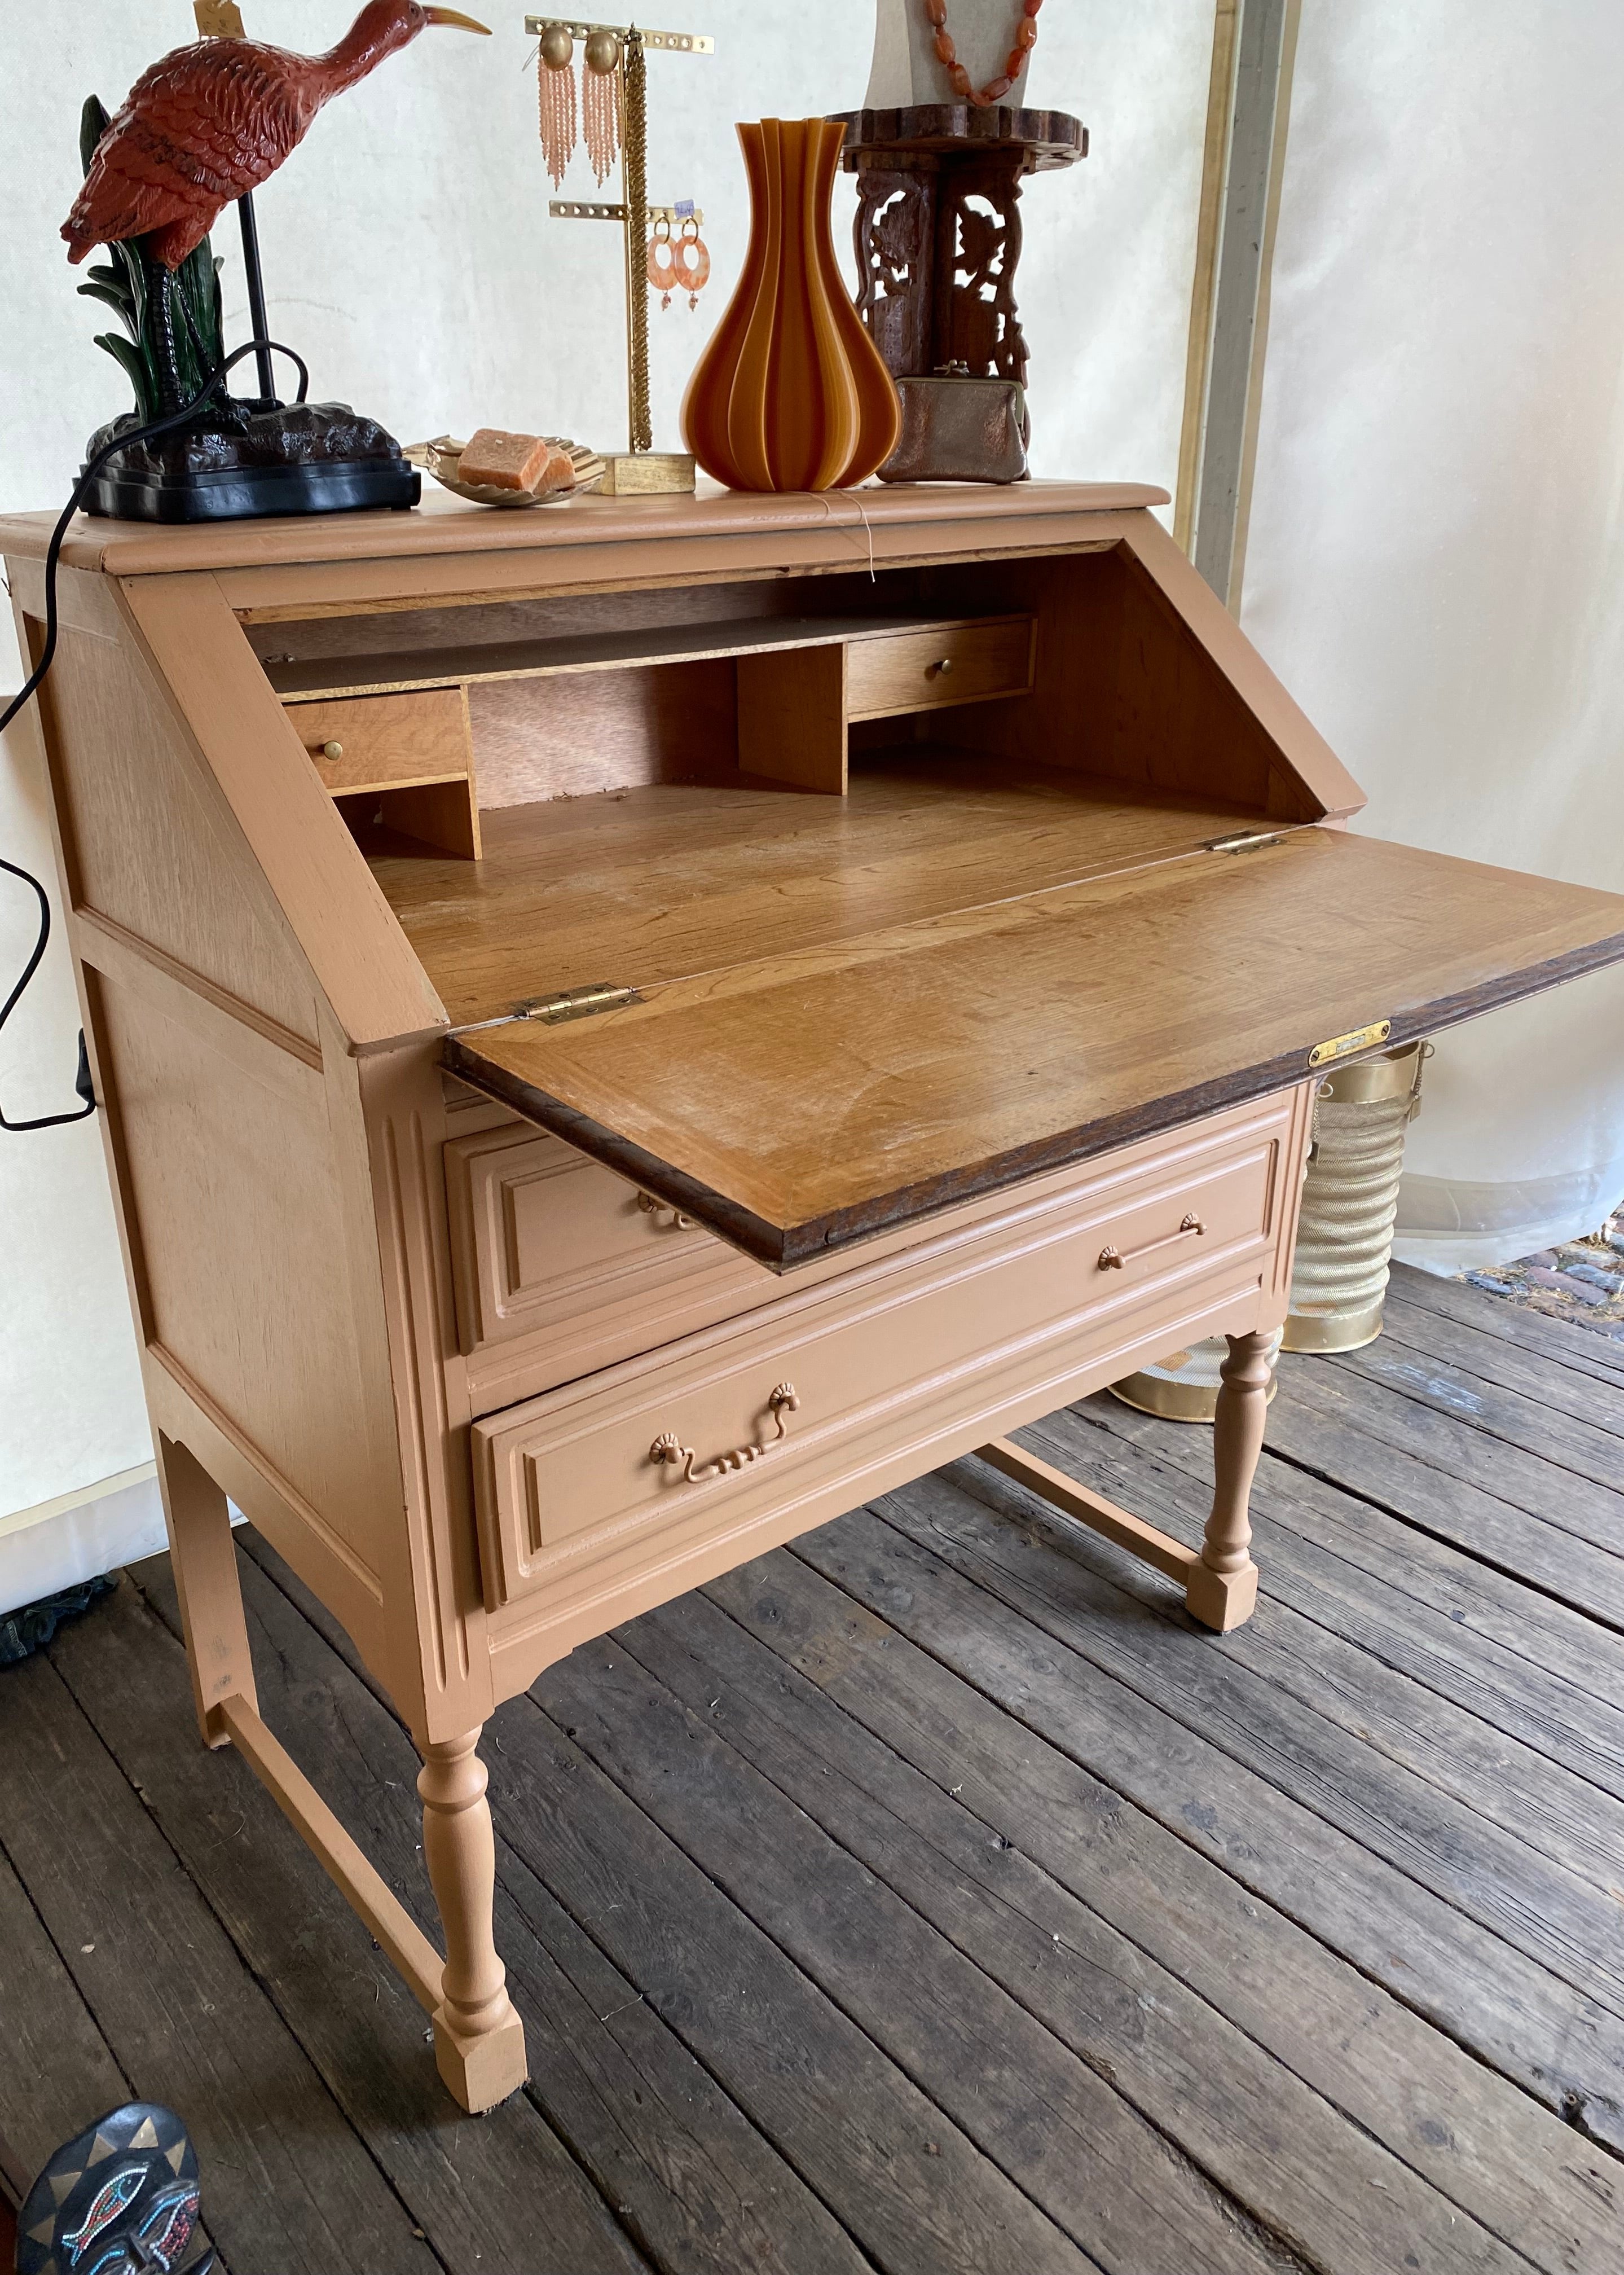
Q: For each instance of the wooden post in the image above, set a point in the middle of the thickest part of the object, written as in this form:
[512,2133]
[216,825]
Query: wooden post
[1254,49]
[1222,1588]
[478,2039]
[199,1520]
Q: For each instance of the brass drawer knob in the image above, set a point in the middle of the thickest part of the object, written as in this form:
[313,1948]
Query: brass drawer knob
[1112,1259]
[934,670]
[332,750]
[667,1447]
[650,1206]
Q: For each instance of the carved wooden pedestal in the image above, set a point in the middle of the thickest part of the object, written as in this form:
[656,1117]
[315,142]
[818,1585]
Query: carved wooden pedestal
[938,229]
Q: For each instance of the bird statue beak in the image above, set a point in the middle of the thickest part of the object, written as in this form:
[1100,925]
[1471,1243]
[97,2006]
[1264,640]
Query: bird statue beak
[451,16]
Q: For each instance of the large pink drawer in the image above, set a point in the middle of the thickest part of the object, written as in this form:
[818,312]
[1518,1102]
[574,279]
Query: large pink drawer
[892,1365]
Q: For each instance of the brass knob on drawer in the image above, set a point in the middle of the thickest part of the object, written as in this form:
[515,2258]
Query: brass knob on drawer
[650,1206]
[932,670]
[332,750]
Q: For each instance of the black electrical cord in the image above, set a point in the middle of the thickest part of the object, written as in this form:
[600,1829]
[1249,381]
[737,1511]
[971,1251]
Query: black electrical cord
[82,1082]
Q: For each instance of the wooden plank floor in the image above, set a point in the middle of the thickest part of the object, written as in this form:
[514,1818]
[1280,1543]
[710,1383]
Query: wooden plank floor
[934,1896]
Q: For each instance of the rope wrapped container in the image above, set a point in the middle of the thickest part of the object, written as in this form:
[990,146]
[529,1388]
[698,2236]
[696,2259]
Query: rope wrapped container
[1350,1200]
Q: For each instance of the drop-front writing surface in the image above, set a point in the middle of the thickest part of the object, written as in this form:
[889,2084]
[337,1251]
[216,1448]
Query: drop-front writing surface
[801,1101]
[623,1032]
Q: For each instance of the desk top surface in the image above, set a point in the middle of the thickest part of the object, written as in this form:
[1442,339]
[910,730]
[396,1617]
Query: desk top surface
[445,525]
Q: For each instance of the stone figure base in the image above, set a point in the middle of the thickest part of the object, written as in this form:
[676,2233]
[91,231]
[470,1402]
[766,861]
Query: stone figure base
[302,457]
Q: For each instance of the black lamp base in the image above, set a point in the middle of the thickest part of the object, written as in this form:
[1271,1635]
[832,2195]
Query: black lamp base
[305,457]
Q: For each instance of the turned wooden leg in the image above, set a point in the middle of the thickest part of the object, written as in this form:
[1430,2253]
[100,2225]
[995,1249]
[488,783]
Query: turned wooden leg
[478,2039]
[1222,1588]
[206,1580]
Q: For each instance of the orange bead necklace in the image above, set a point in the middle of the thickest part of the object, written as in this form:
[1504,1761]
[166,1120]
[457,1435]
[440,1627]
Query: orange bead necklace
[995,90]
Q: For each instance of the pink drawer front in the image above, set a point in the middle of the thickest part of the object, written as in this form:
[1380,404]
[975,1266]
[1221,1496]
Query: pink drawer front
[634,1483]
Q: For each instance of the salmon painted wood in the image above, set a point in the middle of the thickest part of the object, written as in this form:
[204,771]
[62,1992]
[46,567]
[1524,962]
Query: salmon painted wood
[619,1041]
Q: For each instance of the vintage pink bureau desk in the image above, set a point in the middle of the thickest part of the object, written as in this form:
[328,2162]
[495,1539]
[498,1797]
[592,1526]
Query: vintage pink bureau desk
[625,1031]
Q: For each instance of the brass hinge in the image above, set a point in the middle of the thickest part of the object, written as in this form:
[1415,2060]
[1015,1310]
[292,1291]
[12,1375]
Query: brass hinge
[1247,841]
[575,1003]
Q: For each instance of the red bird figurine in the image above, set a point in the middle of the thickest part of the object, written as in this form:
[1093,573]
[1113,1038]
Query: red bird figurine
[215,119]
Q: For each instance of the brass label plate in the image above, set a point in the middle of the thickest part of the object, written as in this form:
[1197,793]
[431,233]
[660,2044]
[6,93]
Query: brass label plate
[647,473]
[1343,1047]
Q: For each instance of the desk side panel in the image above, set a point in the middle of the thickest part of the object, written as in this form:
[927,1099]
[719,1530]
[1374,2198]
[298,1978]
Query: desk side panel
[1305,778]
[236,1146]
[293,834]
[233,1206]
[1143,679]
[148,839]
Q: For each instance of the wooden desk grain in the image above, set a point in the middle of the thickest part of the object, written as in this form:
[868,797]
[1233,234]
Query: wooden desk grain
[668,882]
[799,1101]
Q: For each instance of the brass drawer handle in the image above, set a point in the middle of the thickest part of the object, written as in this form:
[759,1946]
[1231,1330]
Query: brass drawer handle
[668,1447]
[332,750]
[932,670]
[650,1206]
[1112,1259]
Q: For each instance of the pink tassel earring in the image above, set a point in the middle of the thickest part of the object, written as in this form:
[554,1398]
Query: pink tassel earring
[559,127]
[601,95]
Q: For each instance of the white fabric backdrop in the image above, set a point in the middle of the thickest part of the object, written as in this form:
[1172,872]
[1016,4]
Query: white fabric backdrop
[409,257]
[1435,559]
[1436,564]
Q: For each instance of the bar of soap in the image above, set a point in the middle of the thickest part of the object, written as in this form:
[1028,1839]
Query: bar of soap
[500,461]
[557,474]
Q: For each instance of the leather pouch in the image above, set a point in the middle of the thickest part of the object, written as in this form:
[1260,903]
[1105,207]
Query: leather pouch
[956,428]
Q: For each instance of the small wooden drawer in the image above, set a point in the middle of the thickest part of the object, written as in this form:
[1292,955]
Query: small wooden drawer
[692,1458]
[561,1268]
[382,742]
[924,671]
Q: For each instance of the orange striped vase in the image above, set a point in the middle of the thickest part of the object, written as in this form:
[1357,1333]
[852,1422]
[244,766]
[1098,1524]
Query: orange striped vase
[790,394]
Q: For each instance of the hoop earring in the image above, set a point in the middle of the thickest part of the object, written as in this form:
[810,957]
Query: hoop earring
[690,260]
[662,274]
[555,68]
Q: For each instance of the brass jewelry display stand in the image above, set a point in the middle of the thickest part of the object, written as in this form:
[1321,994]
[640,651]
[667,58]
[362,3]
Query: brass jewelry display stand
[641,468]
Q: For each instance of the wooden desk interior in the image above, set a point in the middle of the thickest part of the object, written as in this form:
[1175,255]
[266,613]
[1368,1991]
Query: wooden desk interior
[668,881]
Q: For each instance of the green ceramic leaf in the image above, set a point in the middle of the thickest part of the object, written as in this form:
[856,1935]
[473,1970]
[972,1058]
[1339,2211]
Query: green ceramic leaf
[92,127]
[127,354]
[115,297]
